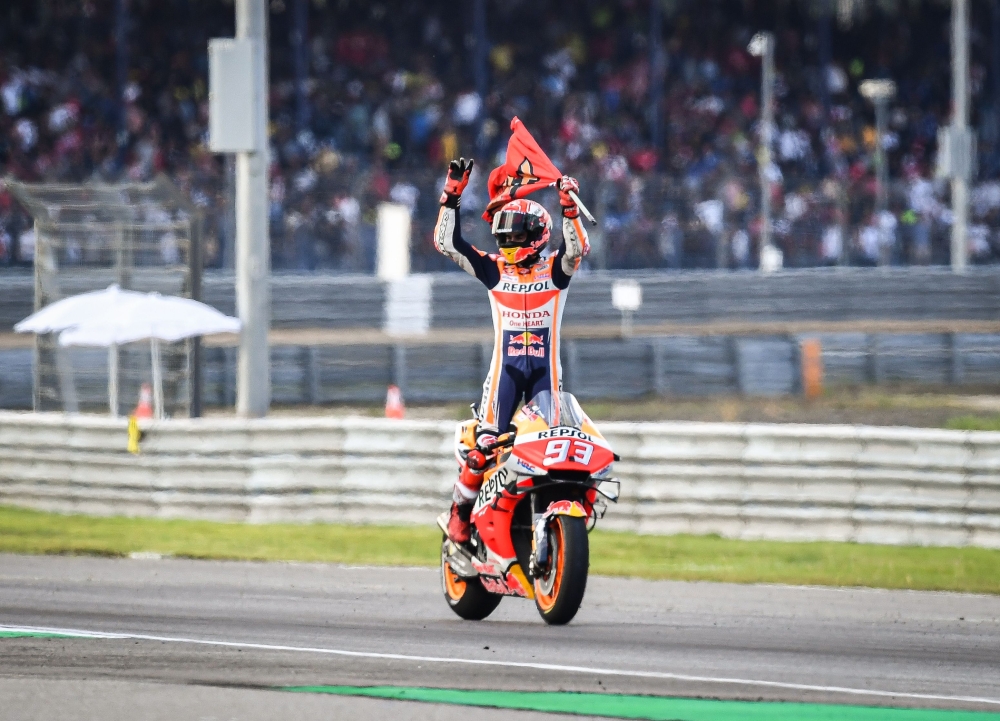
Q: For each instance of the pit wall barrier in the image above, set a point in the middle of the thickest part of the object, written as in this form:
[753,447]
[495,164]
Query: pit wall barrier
[750,481]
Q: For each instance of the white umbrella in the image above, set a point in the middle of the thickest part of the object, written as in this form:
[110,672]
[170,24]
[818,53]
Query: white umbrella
[77,309]
[156,318]
[72,311]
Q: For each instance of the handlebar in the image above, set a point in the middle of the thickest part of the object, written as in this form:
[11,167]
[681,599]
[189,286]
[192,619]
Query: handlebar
[502,440]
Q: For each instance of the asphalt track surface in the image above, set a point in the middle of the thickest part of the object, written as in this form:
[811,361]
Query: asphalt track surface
[210,640]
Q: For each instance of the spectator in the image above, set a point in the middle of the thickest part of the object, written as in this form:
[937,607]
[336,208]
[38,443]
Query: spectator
[392,98]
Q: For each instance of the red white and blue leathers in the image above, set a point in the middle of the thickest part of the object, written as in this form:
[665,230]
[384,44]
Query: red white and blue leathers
[527,304]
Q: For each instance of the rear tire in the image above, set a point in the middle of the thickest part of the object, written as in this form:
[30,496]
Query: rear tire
[466,597]
[558,594]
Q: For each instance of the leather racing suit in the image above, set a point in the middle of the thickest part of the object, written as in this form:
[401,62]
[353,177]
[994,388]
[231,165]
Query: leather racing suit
[527,302]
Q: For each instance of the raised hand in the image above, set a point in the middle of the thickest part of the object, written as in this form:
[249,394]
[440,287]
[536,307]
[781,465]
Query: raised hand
[565,185]
[458,177]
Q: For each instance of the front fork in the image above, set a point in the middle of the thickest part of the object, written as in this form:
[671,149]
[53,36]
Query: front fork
[540,530]
[539,544]
[539,539]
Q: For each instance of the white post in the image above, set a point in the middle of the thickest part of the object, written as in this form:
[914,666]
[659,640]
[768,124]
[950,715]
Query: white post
[154,357]
[113,379]
[253,251]
[626,296]
[960,123]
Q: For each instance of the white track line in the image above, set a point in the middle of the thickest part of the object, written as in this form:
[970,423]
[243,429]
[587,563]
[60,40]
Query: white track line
[77,633]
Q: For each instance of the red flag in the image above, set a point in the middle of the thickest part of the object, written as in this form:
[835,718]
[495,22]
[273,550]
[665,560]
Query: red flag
[527,169]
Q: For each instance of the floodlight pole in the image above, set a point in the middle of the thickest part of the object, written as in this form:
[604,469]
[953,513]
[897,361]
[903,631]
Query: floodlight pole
[297,39]
[880,92]
[881,192]
[253,247]
[882,171]
[480,73]
[656,72]
[762,46]
[960,124]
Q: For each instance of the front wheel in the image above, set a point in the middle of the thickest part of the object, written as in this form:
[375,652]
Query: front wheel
[559,592]
[467,598]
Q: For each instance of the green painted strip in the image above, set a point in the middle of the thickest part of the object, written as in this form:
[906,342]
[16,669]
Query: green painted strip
[654,708]
[32,634]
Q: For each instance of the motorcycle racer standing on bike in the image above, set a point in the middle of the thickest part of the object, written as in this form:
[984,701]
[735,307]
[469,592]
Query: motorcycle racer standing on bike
[527,293]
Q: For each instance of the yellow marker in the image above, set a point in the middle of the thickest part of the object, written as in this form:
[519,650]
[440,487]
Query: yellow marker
[134,434]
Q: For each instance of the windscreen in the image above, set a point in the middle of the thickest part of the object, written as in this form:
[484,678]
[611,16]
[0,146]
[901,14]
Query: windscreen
[559,409]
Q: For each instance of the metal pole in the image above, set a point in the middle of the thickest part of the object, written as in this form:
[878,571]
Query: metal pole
[880,92]
[960,123]
[844,210]
[113,379]
[766,138]
[197,225]
[995,71]
[881,177]
[229,222]
[656,71]
[253,252]
[121,63]
[825,54]
[479,68]
[154,359]
[300,19]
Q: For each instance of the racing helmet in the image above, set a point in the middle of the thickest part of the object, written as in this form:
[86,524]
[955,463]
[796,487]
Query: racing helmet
[522,216]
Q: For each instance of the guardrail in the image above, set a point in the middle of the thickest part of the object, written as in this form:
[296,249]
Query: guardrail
[787,482]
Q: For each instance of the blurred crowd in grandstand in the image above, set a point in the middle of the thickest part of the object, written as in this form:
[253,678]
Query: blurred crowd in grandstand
[382,93]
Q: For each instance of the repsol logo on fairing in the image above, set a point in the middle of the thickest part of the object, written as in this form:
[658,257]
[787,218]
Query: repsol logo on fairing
[525,314]
[492,487]
[524,287]
[564,433]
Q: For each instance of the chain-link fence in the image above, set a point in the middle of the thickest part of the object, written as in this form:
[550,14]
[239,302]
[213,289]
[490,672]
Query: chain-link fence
[85,237]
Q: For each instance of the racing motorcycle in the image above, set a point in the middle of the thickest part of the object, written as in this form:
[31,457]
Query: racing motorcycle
[543,489]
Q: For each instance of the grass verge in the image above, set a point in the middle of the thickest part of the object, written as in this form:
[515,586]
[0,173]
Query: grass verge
[702,558]
[974,423]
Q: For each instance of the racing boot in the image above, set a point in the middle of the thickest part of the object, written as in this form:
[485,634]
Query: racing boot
[467,485]
[458,522]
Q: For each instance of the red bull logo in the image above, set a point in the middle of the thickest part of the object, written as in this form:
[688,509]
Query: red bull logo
[526,343]
[527,338]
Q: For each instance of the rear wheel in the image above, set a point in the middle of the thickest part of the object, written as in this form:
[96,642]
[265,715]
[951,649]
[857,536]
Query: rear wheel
[467,598]
[559,592]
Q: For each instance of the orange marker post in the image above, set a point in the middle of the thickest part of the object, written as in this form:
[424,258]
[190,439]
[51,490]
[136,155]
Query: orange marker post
[812,368]
[144,409]
[394,407]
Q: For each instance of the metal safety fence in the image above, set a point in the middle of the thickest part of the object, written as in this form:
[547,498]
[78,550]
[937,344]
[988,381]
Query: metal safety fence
[452,371]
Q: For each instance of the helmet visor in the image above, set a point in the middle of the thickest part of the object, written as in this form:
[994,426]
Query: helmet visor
[508,222]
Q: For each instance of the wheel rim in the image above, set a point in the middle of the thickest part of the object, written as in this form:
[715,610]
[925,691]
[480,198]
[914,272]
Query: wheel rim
[454,586]
[547,587]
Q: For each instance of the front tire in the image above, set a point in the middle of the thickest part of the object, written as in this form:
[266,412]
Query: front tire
[467,598]
[559,592]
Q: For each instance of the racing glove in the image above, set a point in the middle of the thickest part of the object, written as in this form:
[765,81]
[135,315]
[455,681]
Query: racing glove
[565,185]
[458,177]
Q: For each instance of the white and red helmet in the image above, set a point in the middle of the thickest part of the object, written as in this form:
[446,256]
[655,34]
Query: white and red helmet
[522,216]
